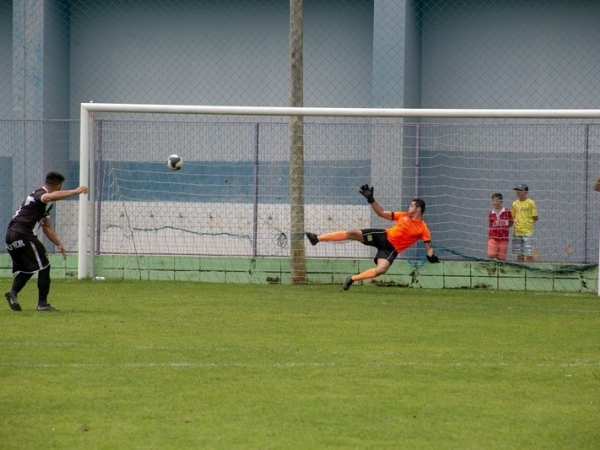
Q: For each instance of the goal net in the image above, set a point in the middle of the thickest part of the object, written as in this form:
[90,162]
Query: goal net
[231,203]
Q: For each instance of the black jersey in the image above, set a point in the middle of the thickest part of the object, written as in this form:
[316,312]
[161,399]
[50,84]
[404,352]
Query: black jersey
[32,213]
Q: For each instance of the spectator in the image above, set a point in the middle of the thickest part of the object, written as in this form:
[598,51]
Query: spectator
[525,215]
[500,220]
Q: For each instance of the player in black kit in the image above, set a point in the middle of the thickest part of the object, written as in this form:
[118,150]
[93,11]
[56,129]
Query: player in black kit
[26,250]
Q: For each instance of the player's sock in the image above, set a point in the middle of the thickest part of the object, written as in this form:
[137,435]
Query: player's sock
[43,286]
[335,236]
[19,281]
[367,274]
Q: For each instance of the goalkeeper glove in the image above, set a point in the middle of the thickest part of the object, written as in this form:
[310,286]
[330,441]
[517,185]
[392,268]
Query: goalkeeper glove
[433,259]
[367,192]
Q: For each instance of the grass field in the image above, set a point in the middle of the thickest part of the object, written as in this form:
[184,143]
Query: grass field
[163,365]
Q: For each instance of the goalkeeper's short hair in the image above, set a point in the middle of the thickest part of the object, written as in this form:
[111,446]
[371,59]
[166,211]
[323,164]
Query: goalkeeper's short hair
[421,204]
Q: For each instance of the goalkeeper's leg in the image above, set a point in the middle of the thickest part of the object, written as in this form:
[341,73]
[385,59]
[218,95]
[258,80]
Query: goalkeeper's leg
[382,267]
[336,236]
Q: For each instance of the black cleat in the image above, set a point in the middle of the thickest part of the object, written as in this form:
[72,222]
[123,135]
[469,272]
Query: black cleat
[12,301]
[47,307]
[347,283]
[312,237]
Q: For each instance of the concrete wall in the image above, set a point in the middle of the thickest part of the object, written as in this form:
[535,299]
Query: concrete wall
[6,31]
[448,275]
[525,54]
[476,54]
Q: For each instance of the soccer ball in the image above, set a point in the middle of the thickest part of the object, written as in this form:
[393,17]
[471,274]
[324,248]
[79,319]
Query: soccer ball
[174,162]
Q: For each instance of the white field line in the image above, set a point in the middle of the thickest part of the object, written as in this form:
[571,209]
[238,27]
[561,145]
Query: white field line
[194,365]
[481,360]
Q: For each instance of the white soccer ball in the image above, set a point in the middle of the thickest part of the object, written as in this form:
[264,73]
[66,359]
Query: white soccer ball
[174,162]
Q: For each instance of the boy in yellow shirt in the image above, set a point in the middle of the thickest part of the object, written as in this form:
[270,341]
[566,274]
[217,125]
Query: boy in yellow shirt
[525,215]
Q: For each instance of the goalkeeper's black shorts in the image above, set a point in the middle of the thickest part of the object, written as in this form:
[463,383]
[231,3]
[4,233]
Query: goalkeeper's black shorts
[376,237]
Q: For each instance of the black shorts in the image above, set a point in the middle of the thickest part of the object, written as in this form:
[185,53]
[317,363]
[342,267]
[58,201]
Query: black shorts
[377,238]
[27,252]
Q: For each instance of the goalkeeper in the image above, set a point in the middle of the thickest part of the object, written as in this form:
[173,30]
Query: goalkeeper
[409,228]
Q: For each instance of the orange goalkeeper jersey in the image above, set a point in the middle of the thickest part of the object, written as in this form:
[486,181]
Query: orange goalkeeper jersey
[407,231]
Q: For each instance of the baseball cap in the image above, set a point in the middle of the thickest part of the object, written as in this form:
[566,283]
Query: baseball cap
[521,187]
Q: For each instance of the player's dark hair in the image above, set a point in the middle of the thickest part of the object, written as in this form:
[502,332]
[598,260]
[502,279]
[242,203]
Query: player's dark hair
[497,195]
[420,204]
[54,178]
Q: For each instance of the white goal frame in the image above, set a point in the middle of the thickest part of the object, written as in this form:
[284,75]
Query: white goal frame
[86,202]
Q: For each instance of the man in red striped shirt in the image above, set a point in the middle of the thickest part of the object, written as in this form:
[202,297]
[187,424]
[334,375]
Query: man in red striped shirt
[500,220]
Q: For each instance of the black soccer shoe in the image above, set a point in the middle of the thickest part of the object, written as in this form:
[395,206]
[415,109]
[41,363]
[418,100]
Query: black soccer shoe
[347,283]
[47,307]
[12,301]
[312,237]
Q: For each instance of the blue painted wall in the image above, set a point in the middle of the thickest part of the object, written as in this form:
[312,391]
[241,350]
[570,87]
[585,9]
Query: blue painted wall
[6,31]
[525,54]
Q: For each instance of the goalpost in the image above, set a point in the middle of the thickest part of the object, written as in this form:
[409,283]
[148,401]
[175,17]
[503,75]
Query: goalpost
[230,200]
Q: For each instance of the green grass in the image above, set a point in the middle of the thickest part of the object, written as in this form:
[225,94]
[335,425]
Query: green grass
[166,365]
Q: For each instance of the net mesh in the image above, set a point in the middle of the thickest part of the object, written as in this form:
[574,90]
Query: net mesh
[232,196]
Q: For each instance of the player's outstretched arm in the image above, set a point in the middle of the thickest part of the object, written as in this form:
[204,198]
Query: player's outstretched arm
[431,257]
[60,195]
[367,192]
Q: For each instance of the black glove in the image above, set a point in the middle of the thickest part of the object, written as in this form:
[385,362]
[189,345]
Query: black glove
[367,192]
[433,259]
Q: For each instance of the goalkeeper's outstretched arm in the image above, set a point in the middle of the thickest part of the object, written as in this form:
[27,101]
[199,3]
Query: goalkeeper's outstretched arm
[368,192]
[431,257]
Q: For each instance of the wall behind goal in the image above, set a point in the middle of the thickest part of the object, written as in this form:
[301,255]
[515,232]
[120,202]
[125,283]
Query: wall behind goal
[358,53]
